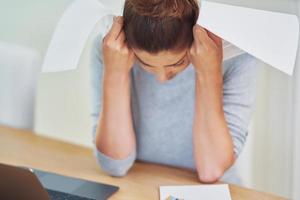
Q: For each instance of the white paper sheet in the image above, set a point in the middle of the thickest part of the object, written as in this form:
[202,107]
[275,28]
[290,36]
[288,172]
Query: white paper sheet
[71,34]
[196,192]
[269,36]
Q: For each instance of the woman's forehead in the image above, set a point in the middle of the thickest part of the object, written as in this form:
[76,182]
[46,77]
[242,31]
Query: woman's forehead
[162,58]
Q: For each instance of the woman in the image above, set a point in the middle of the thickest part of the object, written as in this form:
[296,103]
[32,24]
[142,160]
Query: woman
[163,94]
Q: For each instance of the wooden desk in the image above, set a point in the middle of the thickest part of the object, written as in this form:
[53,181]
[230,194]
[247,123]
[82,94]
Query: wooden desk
[23,148]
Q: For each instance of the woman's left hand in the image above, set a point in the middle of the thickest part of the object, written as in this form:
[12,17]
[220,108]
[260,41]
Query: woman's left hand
[206,52]
[213,145]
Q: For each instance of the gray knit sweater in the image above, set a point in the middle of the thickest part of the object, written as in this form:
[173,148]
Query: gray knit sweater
[163,112]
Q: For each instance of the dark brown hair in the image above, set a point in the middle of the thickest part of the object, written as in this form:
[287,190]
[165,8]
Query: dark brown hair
[157,25]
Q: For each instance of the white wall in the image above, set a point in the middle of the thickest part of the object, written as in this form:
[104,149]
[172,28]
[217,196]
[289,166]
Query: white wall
[31,23]
[67,115]
[296,150]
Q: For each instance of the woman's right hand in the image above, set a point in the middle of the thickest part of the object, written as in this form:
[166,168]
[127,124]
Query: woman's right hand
[117,57]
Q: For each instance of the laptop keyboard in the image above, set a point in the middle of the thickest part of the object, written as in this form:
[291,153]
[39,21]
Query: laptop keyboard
[56,195]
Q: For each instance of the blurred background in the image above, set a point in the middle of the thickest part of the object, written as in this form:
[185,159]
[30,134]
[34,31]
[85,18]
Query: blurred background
[58,104]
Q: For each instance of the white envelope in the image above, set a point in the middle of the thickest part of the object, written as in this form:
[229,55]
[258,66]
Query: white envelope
[254,31]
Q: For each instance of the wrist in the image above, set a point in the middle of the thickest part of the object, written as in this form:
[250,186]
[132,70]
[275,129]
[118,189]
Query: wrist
[209,93]
[208,81]
[115,77]
[116,87]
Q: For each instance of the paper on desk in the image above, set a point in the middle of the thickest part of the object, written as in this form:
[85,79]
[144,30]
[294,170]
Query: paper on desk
[269,36]
[71,34]
[195,192]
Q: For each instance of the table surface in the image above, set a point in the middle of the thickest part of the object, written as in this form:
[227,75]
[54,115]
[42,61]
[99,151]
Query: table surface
[24,148]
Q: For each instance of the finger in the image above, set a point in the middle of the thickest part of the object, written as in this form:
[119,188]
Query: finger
[121,37]
[217,40]
[116,28]
[201,37]
[195,34]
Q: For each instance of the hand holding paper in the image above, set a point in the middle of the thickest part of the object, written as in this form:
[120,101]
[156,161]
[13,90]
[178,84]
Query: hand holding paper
[269,36]
[206,52]
[117,57]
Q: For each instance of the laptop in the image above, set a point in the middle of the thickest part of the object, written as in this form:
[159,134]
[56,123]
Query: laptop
[19,183]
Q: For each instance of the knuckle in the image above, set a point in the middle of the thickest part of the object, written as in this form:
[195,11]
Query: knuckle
[105,40]
[199,50]
[107,44]
[193,51]
[118,47]
[124,51]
